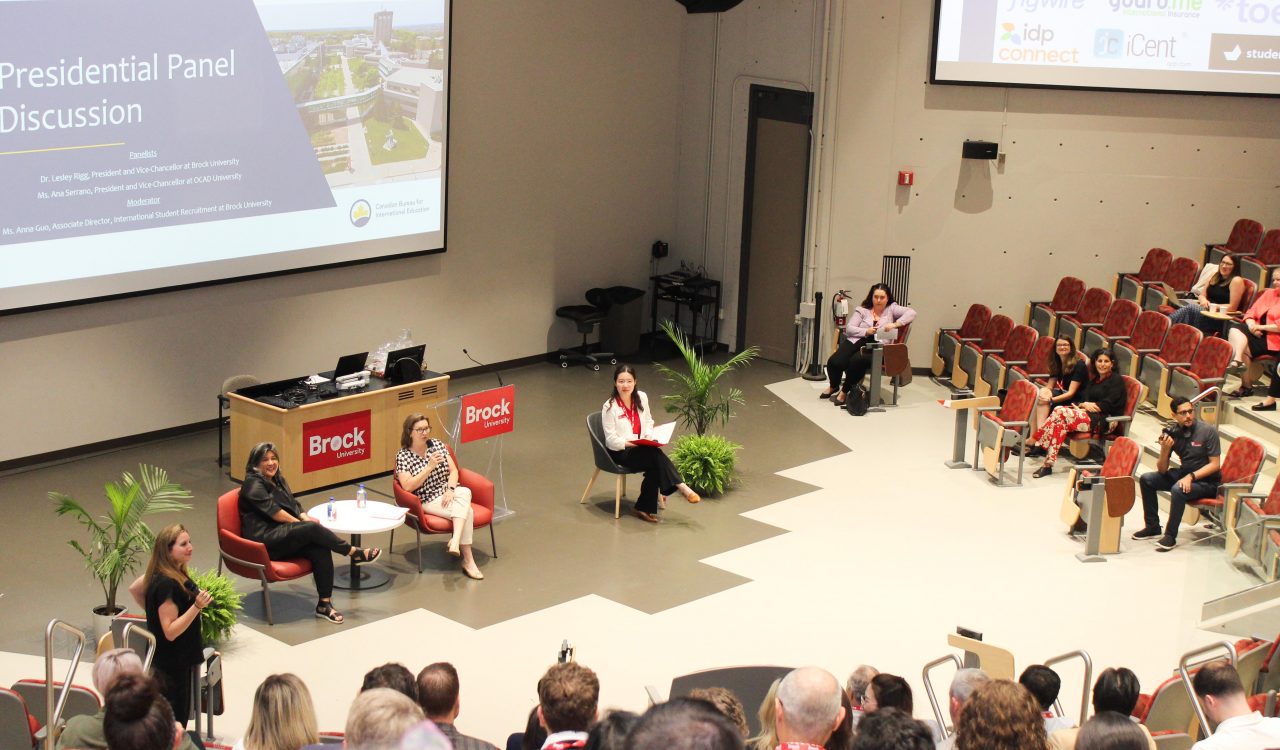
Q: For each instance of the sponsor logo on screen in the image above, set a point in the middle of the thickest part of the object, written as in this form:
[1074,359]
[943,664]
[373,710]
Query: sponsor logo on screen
[335,441]
[361,213]
[1253,53]
[1110,44]
[1253,12]
[488,413]
[1159,8]
[1035,6]
[1033,43]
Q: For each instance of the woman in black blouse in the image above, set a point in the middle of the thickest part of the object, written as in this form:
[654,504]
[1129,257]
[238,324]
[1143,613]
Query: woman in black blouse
[1068,374]
[1103,397]
[173,603]
[425,467]
[270,514]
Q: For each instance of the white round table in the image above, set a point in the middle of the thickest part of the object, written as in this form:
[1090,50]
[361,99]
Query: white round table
[374,518]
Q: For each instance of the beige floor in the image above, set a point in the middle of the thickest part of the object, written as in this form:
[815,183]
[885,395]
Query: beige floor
[886,556]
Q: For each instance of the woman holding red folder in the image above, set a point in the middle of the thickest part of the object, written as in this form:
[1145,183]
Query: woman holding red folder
[626,419]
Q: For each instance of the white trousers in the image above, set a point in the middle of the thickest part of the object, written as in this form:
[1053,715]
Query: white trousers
[459,510]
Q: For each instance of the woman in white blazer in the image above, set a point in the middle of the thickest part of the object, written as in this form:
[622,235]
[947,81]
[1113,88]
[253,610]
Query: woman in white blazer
[626,418]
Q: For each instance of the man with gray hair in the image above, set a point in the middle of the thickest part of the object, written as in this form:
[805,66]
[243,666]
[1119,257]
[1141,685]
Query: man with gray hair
[808,708]
[963,685]
[379,718]
[856,687]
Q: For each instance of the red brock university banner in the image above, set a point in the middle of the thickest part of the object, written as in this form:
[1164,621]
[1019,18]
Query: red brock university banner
[334,441]
[488,413]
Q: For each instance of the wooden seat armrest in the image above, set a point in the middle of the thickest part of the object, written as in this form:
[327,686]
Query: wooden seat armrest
[1015,362]
[988,408]
[1090,325]
[1121,418]
[1118,338]
[977,338]
[1252,495]
[1229,486]
[992,351]
[1021,423]
[1177,364]
[1213,381]
[1147,351]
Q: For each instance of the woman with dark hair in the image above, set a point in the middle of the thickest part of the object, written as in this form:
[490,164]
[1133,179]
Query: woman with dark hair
[1112,731]
[425,467]
[1115,691]
[877,318]
[888,691]
[173,604]
[1256,334]
[270,514]
[1068,375]
[137,717]
[1222,292]
[610,733]
[625,419]
[1001,715]
[1103,397]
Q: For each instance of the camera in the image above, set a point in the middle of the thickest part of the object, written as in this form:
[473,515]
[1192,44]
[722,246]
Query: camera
[1171,431]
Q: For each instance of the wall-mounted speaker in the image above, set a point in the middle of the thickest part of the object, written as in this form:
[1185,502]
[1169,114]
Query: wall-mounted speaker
[708,6]
[980,150]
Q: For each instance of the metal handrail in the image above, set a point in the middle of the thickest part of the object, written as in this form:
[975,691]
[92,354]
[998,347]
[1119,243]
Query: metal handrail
[54,712]
[1186,679]
[1088,680]
[1207,392]
[928,688]
[147,635]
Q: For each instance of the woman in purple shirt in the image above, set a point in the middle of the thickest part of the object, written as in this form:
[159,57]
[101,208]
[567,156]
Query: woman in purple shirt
[878,314]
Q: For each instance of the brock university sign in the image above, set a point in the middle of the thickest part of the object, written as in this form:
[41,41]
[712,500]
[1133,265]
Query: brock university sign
[488,413]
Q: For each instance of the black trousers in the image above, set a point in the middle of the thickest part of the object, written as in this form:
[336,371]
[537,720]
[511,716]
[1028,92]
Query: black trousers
[310,540]
[659,473]
[175,686]
[849,359]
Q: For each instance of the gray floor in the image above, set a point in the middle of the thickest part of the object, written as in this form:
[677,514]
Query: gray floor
[552,549]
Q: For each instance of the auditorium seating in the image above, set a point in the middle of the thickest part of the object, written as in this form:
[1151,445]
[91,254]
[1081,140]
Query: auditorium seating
[424,523]
[1093,309]
[994,365]
[1250,515]
[1117,473]
[947,341]
[1131,286]
[1116,326]
[895,364]
[1243,240]
[1000,428]
[1148,335]
[17,726]
[969,358]
[1112,427]
[1043,316]
[1271,554]
[1208,368]
[1176,351]
[249,559]
[1181,276]
[1240,468]
[1257,268]
[80,699]
[1167,708]
[1037,365]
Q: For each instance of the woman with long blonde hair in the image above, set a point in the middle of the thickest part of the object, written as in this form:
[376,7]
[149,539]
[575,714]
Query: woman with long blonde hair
[768,737]
[283,716]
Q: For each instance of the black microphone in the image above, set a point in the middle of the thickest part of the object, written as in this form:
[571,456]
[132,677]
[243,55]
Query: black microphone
[473,359]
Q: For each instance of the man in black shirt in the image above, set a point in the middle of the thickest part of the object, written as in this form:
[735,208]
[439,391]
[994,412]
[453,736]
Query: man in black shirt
[1200,455]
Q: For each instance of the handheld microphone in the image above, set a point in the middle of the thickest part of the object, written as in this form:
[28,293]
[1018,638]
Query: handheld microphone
[478,362]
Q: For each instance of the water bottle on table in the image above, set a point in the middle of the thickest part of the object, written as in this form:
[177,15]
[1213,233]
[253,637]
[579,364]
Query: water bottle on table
[362,497]
[333,509]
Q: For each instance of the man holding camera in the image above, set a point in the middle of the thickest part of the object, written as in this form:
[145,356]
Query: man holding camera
[1200,455]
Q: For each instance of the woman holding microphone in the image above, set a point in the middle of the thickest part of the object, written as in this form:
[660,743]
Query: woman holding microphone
[425,467]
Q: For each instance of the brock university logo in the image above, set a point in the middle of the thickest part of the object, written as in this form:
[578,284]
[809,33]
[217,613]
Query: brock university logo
[488,413]
[335,441]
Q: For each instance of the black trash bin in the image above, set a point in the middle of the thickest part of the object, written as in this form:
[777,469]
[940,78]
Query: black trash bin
[620,331]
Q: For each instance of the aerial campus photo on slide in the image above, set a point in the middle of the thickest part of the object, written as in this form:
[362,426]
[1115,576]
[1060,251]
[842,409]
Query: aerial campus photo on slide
[133,117]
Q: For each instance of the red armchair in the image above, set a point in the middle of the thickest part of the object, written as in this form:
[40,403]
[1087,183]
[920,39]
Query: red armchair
[248,558]
[425,523]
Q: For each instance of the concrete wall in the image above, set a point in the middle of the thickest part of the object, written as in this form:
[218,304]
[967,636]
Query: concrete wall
[562,156]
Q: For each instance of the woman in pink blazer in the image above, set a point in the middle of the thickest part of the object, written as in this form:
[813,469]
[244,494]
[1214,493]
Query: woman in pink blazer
[1257,333]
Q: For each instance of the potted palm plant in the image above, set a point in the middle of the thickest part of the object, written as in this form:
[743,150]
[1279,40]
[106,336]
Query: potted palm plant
[700,402]
[120,539]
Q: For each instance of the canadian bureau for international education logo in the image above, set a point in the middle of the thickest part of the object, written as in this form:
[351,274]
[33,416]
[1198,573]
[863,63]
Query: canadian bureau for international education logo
[361,213]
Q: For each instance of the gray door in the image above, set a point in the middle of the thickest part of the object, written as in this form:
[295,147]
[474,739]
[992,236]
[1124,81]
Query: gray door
[773,223]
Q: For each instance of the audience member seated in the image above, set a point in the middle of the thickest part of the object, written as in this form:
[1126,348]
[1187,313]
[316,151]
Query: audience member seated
[807,708]
[888,691]
[422,736]
[1112,731]
[567,698]
[1218,686]
[1103,397]
[610,733]
[891,729]
[394,676]
[85,732]
[1068,374]
[137,717]
[379,718]
[842,737]
[877,318]
[1197,476]
[683,724]
[1043,684]
[963,685]
[425,467]
[1001,715]
[532,737]
[283,717]
[438,691]
[768,715]
[1255,335]
[1222,291]
[1115,691]
[856,687]
[727,704]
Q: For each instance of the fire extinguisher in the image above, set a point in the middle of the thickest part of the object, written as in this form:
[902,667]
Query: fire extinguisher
[840,308]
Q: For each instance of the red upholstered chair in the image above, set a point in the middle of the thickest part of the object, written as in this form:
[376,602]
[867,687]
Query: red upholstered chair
[1117,472]
[1043,316]
[896,362]
[1000,428]
[1113,427]
[1208,368]
[1271,554]
[947,341]
[1017,349]
[1131,286]
[1244,238]
[1177,350]
[1117,326]
[970,357]
[1239,471]
[1255,514]
[1257,268]
[1167,708]
[248,558]
[1093,310]
[17,726]
[1148,336]
[81,700]
[1037,366]
[1181,276]
[425,523]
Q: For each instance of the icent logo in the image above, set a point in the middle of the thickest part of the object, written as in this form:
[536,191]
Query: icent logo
[361,213]
[1232,55]
[1108,43]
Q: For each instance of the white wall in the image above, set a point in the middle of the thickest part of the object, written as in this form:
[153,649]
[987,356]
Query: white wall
[562,158]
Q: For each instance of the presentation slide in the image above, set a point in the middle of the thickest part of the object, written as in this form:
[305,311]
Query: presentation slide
[1194,46]
[149,144]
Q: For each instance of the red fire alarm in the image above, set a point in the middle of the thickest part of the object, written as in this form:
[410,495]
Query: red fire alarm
[906,177]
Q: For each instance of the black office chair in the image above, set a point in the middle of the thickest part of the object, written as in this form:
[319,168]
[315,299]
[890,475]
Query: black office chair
[587,317]
[233,383]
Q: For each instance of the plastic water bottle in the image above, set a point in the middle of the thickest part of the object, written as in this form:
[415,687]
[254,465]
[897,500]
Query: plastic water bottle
[362,498]
[333,509]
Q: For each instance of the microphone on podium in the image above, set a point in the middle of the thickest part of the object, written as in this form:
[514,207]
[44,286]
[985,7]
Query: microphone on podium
[478,362]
